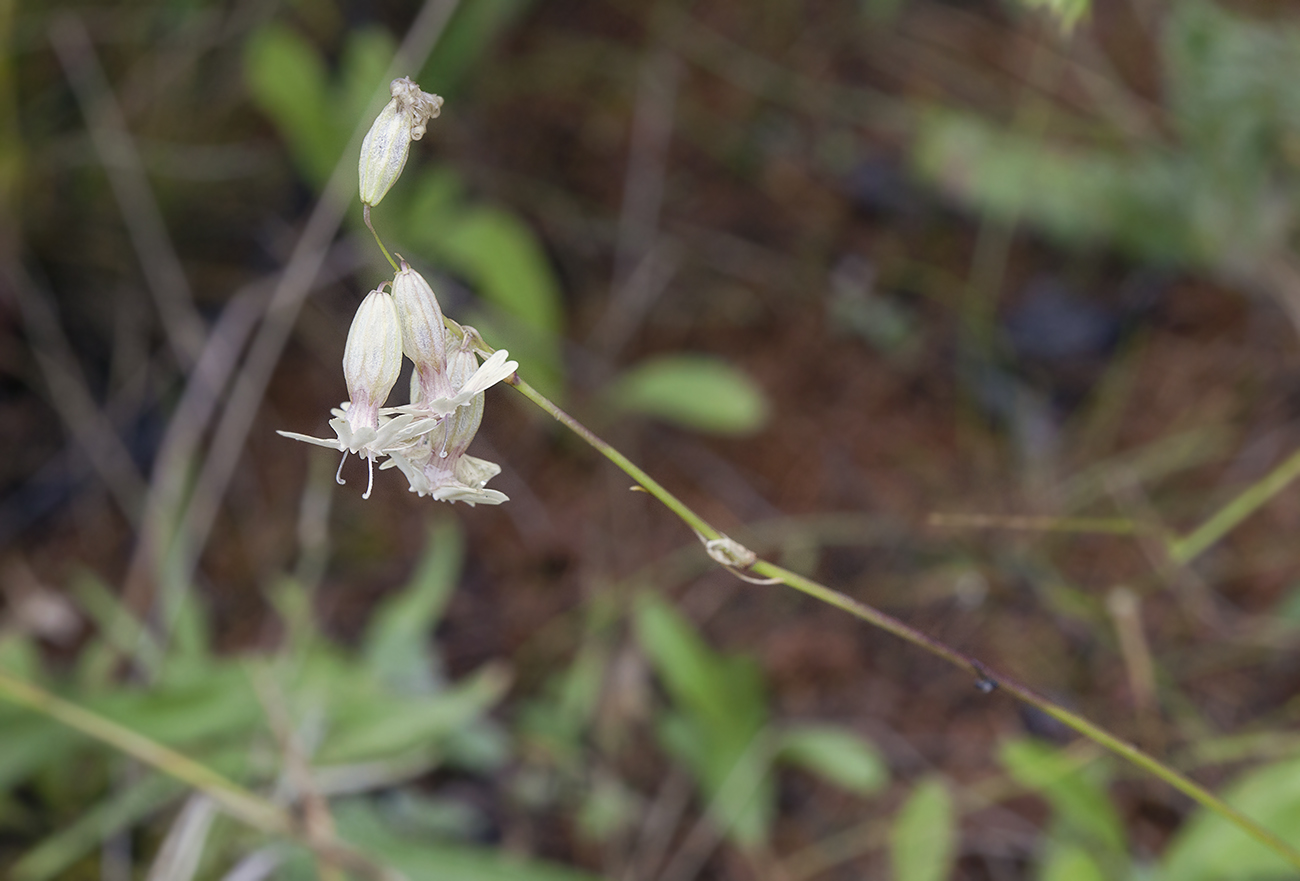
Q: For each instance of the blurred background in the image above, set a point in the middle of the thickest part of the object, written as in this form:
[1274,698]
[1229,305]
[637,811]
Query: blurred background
[983,318]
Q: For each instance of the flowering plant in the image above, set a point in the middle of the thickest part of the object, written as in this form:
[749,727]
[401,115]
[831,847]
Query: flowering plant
[427,438]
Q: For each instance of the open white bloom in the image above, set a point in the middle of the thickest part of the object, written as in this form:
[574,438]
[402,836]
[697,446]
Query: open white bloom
[447,376]
[388,143]
[436,463]
[372,360]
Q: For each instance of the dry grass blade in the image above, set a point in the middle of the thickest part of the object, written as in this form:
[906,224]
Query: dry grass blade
[162,267]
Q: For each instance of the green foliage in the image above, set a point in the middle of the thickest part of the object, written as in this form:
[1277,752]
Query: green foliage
[693,391]
[835,754]
[1220,196]
[1066,12]
[287,78]
[112,815]
[719,728]
[1070,862]
[1079,196]
[396,646]
[361,823]
[923,841]
[1209,848]
[718,719]
[1082,810]
[385,716]
[473,27]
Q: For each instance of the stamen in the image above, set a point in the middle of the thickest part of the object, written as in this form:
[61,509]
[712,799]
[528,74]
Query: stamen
[370,484]
[338,475]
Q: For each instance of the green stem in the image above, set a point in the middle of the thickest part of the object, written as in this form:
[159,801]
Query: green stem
[986,679]
[1195,543]
[648,483]
[234,799]
[365,213]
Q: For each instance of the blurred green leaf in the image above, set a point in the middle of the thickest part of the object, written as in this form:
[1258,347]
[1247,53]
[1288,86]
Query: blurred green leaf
[1066,12]
[29,742]
[396,643]
[362,89]
[923,842]
[1079,196]
[1220,193]
[726,692]
[287,79]
[837,755]
[1071,862]
[1077,796]
[419,858]
[468,36]
[1210,848]
[368,723]
[609,806]
[19,655]
[693,391]
[501,256]
[93,825]
[218,702]
[718,725]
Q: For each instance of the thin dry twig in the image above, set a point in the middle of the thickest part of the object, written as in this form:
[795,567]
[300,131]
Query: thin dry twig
[642,264]
[140,212]
[180,443]
[317,819]
[71,397]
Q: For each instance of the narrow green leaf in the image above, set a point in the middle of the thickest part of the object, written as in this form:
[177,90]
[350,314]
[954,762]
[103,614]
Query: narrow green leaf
[1071,863]
[924,838]
[693,391]
[369,725]
[96,822]
[503,258]
[420,857]
[287,80]
[717,727]
[469,35]
[215,703]
[1078,797]
[1066,12]
[29,742]
[1210,848]
[837,755]
[396,644]
[725,692]
[362,89]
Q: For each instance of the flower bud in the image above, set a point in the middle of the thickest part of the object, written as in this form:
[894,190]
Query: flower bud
[424,334]
[388,143]
[372,358]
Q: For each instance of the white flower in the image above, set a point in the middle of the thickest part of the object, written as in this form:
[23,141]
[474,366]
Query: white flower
[372,360]
[495,369]
[435,463]
[465,480]
[388,143]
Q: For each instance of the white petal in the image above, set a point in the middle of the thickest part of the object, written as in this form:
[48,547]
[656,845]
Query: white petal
[458,493]
[332,443]
[492,371]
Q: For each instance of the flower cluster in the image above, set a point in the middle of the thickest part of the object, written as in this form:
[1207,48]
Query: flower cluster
[427,438]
